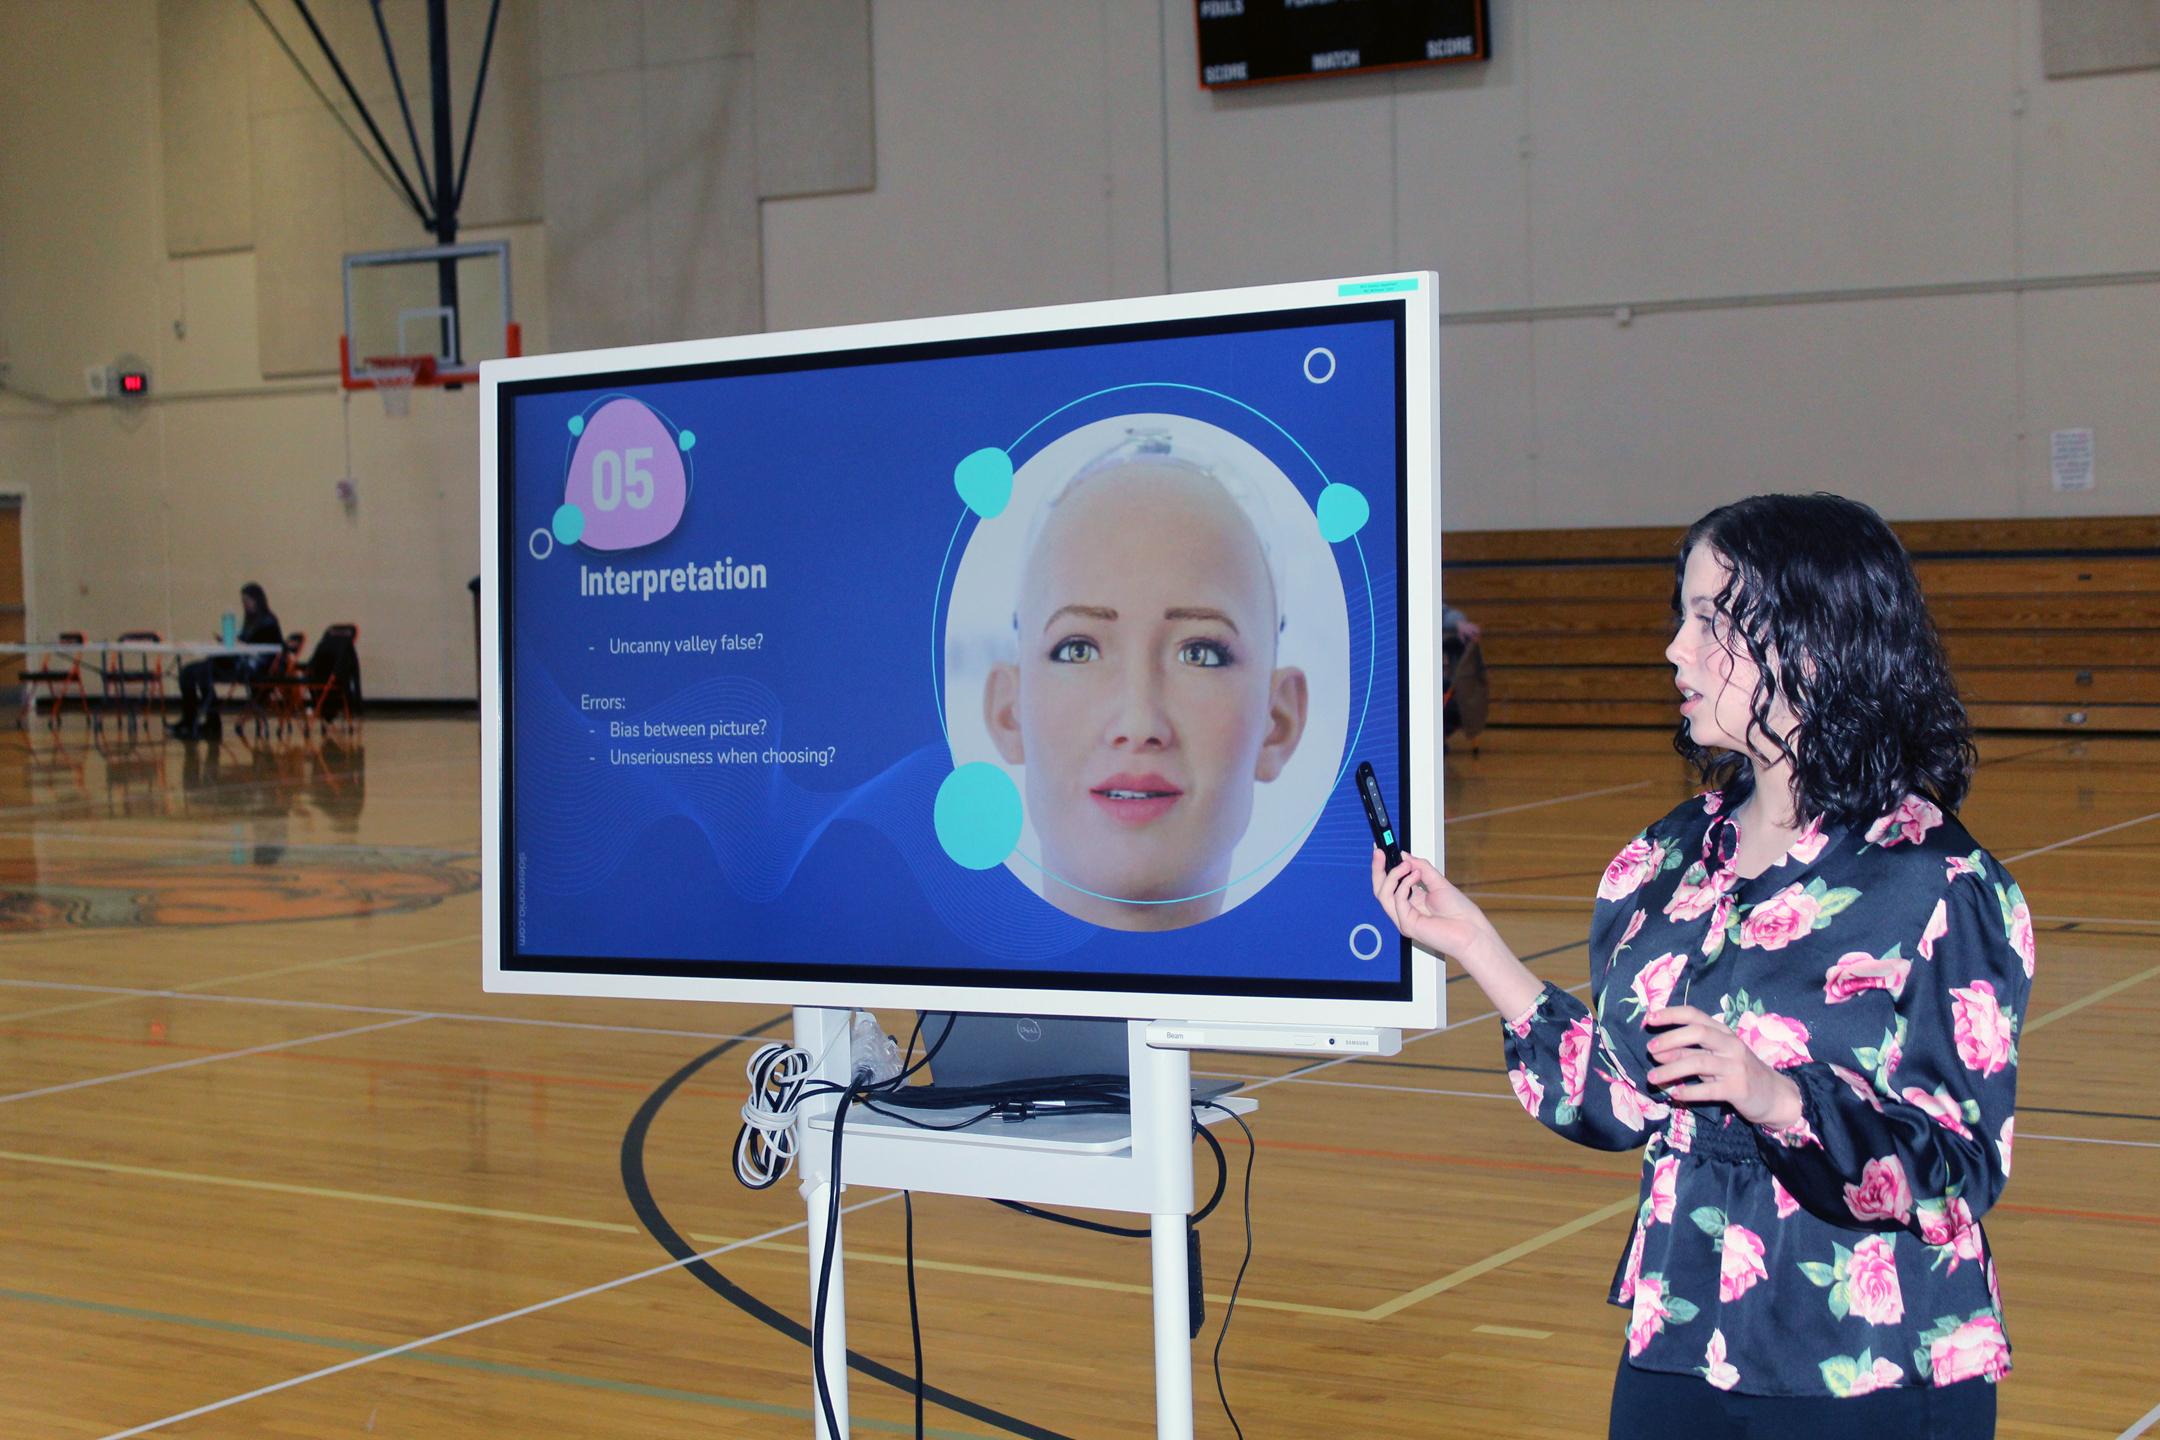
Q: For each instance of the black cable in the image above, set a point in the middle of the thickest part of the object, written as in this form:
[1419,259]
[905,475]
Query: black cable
[1252,1151]
[1222,1168]
[928,1055]
[1222,1182]
[824,1276]
[1075,1221]
[638,1189]
[914,1314]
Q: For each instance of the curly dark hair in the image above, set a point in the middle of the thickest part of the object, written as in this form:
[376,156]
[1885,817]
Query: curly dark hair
[1824,596]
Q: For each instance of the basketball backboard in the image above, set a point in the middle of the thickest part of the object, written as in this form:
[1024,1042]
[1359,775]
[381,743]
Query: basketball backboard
[426,316]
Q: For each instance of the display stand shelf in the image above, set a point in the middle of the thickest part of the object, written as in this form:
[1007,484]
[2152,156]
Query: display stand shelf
[1141,1163]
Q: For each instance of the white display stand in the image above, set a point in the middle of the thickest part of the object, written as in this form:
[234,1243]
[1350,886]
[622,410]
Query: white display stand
[1093,1161]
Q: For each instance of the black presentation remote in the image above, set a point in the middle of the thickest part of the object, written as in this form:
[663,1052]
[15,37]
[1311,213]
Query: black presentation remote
[1376,815]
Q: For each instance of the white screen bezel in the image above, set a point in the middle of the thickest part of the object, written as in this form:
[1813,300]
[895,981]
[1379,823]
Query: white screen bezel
[1423,834]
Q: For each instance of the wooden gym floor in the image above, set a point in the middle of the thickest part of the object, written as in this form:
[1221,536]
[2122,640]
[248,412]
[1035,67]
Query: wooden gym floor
[257,1120]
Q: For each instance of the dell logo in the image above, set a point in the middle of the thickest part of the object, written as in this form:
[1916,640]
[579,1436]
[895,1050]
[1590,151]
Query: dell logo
[1028,1029]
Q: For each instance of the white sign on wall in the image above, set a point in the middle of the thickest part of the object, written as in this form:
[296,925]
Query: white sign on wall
[2070,459]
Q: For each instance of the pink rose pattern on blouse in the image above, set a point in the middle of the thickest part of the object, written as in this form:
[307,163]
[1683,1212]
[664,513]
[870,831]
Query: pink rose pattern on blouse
[1885,967]
[1861,971]
[1714,1368]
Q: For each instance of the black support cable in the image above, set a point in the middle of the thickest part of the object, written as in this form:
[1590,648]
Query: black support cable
[472,121]
[327,103]
[639,1192]
[432,188]
[440,121]
[323,43]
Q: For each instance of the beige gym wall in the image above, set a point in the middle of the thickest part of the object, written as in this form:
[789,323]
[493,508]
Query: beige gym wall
[171,187]
[152,517]
[1617,152]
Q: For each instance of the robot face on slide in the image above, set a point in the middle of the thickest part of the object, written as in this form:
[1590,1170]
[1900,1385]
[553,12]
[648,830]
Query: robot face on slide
[1146,701]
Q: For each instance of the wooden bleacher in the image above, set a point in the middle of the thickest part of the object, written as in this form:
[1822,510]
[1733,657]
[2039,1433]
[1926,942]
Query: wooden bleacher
[2051,624]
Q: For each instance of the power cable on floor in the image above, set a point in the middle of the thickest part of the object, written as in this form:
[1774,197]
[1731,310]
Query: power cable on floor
[638,1189]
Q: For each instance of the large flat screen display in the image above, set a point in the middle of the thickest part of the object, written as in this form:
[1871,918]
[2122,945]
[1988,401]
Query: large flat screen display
[1001,662]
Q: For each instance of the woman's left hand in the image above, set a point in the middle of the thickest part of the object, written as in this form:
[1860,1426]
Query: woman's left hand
[1714,1065]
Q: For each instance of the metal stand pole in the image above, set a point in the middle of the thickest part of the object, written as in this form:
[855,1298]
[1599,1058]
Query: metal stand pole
[1162,1138]
[819,1032]
[819,1197]
[1173,1330]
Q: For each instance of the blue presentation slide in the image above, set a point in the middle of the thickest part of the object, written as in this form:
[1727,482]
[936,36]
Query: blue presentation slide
[1045,658]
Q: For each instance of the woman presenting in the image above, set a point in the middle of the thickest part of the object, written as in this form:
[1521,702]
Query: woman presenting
[1806,989]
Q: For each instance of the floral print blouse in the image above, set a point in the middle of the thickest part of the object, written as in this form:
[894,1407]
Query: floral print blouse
[1885,968]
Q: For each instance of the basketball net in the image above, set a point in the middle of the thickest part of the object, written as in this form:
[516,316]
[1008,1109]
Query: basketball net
[395,386]
[395,376]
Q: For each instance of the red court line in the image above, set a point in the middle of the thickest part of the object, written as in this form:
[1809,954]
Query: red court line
[1438,1159]
[2082,1214]
[462,1072]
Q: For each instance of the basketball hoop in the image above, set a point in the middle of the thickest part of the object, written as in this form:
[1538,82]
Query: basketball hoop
[395,376]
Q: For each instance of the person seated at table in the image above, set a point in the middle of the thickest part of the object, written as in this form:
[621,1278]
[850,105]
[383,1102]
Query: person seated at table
[199,679]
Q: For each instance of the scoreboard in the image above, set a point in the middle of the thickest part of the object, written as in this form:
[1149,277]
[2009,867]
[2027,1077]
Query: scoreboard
[1246,42]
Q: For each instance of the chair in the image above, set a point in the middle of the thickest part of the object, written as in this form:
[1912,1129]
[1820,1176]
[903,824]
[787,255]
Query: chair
[277,691]
[329,685]
[136,688]
[57,682]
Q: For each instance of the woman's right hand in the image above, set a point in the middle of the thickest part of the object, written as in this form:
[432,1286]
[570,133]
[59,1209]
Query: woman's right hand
[1430,911]
[1436,915]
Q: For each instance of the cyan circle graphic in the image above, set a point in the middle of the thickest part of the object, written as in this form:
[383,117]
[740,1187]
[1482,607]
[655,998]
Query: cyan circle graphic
[532,544]
[1379,942]
[685,439]
[577,424]
[1342,512]
[978,816]
[1320,379]
[568,524]
[985,481]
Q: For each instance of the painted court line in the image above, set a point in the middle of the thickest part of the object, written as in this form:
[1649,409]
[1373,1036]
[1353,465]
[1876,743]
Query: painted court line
[461,1362]
[1355,1085]
[323,1192]
[2074,839]
[2093,999]
[320,1192]
[1512,895]
[61,837]
[2142,1424]
[120,993]
[234,787]
[1346,1059]
[1541,804]
[2091,920]
[1493,1262]
[2094,1140]
[207,1059]
[467,1329]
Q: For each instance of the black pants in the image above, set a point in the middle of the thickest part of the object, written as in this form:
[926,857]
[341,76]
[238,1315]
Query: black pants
[197,679]
[1652,1405]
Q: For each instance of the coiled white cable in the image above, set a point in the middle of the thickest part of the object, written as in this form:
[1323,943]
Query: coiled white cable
[765,1146]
